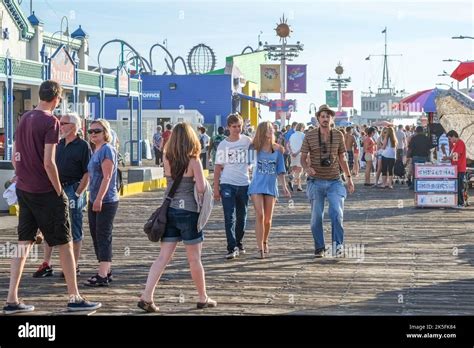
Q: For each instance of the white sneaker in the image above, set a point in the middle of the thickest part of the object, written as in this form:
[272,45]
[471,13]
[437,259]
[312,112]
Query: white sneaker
[232,254]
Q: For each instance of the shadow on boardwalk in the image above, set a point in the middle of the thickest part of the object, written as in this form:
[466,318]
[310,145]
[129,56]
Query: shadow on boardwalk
[413,261]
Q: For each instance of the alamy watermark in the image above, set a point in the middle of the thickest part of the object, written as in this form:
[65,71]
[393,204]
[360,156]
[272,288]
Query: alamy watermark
[13,250]
[393,108]
[347,251]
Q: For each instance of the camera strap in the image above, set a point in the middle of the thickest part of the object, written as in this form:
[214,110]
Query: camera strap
[330,140]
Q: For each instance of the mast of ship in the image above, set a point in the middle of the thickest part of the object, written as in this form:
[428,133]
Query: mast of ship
[385,79]
[385,89]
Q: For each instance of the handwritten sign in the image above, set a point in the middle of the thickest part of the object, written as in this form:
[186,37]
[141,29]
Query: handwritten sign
[436,200]
[427,171]
[436,185]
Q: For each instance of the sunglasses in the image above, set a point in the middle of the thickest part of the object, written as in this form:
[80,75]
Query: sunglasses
[95,131]
[64,123]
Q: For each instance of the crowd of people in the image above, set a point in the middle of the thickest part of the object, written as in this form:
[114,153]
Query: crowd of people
[54,168]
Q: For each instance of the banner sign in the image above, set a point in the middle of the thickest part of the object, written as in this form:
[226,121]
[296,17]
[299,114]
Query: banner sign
[429,171]
[331,99]
[270,78]
[296,78]
[436,200]
[347,99]
[436,185]
[282,105]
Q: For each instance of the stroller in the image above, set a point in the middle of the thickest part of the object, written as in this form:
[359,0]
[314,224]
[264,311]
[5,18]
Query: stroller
[399,171]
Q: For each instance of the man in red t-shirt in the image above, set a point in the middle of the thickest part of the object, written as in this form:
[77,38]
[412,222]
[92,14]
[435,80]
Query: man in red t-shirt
[43,204]
[166,135]
[458,158]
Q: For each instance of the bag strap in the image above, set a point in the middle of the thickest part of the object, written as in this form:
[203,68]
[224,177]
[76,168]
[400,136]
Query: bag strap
[175,185]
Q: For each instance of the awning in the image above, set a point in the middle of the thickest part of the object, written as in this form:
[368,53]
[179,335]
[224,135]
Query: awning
[257,100]
[464,70]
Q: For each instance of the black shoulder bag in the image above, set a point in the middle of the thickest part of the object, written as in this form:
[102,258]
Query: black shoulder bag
[156,225]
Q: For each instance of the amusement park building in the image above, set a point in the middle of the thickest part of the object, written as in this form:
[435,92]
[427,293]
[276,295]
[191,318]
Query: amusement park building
[29,55]
[213,95]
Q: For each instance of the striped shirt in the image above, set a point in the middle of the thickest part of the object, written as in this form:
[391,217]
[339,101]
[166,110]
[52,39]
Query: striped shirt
[311,146]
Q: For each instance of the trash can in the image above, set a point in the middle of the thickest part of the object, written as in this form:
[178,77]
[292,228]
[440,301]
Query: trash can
[6,173]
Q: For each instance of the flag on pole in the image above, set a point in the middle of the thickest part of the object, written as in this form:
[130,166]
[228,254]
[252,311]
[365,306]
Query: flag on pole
[270,78]
[384,31]
[331,99]
[347,99]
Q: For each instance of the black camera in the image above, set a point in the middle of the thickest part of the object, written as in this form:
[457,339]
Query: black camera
[326,162]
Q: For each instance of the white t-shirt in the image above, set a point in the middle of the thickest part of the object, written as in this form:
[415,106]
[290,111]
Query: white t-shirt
[235,157]
[401,136]
[296,141]
[443,140]
[204,139]
[389,151]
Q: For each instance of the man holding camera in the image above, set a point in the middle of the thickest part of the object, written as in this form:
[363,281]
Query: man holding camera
[326,150]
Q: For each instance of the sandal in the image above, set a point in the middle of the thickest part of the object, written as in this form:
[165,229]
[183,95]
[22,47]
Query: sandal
[260,255]
[208,304]
[97,280]
[265,247]
[148,307]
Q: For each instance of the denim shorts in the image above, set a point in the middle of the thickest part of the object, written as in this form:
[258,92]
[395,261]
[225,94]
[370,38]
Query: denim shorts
[182,226]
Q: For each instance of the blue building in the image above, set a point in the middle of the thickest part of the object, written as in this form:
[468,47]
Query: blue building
[211,95]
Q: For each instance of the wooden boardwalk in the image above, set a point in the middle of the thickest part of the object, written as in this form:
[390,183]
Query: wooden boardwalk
[407,261]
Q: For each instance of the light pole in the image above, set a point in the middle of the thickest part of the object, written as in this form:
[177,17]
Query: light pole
[66,33]
[453,60]
[444,84]
[339,83]
[283,52]
[463,37]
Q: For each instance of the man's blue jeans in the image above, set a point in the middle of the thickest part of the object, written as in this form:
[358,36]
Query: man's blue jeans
[235,200]
[461,188]
[317,191]
[75,211]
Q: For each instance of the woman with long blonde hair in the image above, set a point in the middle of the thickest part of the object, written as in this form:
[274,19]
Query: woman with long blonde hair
[181,159]
[389,147]
[263,189]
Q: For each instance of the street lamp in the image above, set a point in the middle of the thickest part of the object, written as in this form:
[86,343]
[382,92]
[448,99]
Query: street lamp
[453,60]
[463,37]
[445,84]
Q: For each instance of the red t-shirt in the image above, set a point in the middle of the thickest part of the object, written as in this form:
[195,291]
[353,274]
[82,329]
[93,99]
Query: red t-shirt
[166,135]
[459,156]
[36,129]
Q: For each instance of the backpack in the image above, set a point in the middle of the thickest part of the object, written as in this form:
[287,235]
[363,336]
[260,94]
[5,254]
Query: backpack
[217,140]
[201,141]
[399,169]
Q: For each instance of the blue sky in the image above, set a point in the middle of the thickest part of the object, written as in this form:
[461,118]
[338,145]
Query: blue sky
[331,31]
